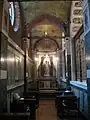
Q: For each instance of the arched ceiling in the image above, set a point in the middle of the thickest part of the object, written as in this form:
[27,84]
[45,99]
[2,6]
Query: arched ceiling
[34,9]
[53,32]
[46,16]
[51,29]
[45,45]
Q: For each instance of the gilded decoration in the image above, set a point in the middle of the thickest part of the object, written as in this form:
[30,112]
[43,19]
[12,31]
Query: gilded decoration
[77,12]
[78,4]
[77,20]
[59,9]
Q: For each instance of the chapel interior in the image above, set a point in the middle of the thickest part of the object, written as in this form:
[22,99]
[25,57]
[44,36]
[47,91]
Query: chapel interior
[45,59]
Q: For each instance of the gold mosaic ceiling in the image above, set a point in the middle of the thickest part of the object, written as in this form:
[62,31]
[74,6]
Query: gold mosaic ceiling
[51,29]
[59,9]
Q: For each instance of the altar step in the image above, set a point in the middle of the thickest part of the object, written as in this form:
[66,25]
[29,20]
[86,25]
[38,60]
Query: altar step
[47,94]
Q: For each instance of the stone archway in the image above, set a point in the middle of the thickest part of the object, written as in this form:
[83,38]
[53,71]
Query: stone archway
[53,20]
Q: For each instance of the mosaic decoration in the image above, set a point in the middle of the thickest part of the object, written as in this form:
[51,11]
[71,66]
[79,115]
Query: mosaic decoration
[59,9]
[78,4]
[76,17]
[77,12]
[46,45]
[75,28]
[77,20]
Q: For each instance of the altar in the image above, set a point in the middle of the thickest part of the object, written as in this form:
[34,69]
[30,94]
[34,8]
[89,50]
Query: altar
[46,73]
[47,83]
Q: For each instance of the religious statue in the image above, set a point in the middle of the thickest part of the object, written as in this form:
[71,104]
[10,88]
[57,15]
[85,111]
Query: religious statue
[46,69]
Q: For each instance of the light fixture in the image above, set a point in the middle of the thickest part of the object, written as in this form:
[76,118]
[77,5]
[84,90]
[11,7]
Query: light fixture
[45,33]
[2,59]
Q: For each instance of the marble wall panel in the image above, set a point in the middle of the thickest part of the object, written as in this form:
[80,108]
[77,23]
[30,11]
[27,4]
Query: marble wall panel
[10,93]
[3,73]
[3,43]
[81,101]
[1,12]
[3,96]
[85,104]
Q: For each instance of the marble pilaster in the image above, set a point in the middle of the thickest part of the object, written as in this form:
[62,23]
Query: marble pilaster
[63,66]
[72,50]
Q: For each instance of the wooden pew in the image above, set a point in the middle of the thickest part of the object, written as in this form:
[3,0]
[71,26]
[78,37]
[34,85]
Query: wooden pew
[14,116]
[33,94]
[21,106]
[59,103]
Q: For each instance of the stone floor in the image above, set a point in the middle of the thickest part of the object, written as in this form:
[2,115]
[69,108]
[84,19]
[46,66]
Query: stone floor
[47,111]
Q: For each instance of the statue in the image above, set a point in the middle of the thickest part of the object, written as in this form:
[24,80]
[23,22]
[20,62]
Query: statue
[46,69]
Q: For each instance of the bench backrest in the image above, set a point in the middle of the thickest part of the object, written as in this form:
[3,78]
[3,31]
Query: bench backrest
[14,116]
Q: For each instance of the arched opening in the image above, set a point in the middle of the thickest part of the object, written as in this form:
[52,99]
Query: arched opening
[52,19]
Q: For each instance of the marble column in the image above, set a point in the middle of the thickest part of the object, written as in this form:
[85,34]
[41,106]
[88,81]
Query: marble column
[72,51]
[63,66]
[25,65]
[58,67]
[68,63]
[60,64]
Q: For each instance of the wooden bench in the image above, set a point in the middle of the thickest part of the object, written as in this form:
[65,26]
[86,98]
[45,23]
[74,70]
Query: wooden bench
[21,105]
[59,103]
[33,94]
[71,106]
[14,116]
